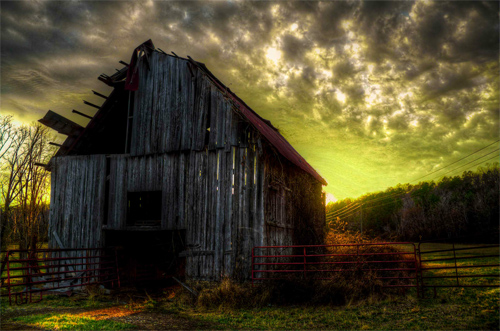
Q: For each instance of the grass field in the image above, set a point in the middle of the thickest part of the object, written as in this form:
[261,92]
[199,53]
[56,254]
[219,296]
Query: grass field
[453,308]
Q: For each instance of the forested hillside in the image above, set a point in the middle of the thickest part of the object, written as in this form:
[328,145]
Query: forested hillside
[460,206]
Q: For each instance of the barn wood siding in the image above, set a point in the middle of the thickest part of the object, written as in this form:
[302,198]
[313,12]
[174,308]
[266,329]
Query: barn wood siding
[174,106]
[214,195]
[77,201]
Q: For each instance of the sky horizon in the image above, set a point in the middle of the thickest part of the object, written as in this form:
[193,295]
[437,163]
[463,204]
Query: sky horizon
[371,94]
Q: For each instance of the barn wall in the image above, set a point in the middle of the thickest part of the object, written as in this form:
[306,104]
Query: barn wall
[173,108]
[77,201]
[217,196]
[294,210]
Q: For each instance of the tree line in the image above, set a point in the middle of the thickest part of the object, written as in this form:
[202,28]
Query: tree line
[24,185]
[464,206]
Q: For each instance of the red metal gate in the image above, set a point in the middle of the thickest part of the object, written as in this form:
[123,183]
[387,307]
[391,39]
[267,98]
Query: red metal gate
[28,272]
[402,264]
[394,264]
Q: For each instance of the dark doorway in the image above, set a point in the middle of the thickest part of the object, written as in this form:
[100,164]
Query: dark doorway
[147,258]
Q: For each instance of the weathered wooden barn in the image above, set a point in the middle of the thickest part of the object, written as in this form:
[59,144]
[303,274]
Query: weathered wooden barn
[175,169]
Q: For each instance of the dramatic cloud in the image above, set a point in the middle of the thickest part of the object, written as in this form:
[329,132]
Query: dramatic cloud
[371,93]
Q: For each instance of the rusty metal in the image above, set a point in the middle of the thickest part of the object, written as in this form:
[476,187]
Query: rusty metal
[42,271]
[313,263]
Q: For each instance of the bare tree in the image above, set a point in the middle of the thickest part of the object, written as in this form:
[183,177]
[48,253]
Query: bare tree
[24,186]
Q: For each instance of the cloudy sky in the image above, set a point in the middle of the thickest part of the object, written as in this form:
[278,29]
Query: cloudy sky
[371,93]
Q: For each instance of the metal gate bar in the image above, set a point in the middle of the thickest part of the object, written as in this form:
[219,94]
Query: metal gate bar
[43,271]
[304,260]
[428,279]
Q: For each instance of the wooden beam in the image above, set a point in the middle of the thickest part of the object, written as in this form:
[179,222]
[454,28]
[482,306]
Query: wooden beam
[124,63]
[61,124]
[82,114]
[105,79]
[99,94]
[91,104]
[54,144]
[41,164]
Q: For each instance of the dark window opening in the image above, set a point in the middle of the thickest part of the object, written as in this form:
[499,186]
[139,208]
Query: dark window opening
[144,208]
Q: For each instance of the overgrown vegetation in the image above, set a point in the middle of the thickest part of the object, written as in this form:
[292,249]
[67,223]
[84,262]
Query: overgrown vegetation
[466,205]
[343,288]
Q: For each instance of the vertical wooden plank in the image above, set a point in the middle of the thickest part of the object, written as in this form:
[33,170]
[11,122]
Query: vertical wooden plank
[174,137]
[135,135]
[190,204]
[219,243]
[228,245]
[221,120]
[214,108]
[201,112]
[175,190]
[167,210]
[235,181]
[121,211]
[149,81]
[259,206]
[186,105]
[182,190]
[212,215]
[167,103]
[228,125]
[248,221]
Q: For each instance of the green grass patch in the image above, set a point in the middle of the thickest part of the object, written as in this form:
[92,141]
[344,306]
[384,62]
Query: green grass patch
[71,322]
[454,309]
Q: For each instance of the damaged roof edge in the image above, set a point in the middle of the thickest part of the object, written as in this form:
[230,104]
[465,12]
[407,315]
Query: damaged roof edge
[265,128]
[262,125]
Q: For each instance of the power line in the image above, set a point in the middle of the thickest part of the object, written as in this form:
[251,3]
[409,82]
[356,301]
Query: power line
[392,195]
[430,173]
[339,211]
[342,210]
[346,206]
[369,207]
[473,161]
[365,206]
[354,206]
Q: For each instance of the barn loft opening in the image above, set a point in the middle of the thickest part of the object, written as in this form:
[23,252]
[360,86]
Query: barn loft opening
[144,208]
[148,258]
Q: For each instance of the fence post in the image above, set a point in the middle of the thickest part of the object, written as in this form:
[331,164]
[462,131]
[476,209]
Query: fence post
[8,276]
[416,270]
[253,263]
[455,259]
[305,263]
[420,267]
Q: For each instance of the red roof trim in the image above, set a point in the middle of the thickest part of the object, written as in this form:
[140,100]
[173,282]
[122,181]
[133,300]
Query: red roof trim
[267,130]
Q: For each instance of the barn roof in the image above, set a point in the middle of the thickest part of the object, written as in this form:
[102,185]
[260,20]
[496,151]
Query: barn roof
[262,125]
